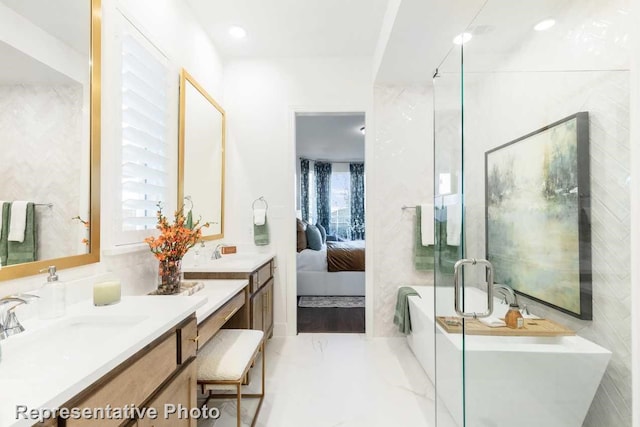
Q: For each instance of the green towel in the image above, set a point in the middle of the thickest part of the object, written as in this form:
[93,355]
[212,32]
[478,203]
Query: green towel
[423,255]
[189,222]
[261,233]
[401,316]
[4,210]
[21,252]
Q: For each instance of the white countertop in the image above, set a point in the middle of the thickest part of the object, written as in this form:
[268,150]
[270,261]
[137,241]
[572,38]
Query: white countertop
[243,262]
[53,361]
[217,293]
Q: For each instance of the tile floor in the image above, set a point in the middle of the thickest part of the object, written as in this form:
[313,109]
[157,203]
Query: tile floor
[346,380]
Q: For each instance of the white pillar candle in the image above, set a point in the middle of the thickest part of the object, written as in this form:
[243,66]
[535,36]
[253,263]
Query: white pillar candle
[106,293]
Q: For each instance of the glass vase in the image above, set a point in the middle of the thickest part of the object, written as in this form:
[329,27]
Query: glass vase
[169,276]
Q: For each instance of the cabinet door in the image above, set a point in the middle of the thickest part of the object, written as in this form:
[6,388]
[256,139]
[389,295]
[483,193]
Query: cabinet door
[268,307]
[257,311]
[179,393]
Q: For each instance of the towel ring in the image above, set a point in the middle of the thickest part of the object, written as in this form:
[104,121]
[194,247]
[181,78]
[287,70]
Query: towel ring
[188,199]
[259,199]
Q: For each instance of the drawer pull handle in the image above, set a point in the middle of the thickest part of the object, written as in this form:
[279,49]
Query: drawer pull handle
[231,314]
[196,339]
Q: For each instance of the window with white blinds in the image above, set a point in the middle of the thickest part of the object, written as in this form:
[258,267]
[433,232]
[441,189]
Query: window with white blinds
[144,134]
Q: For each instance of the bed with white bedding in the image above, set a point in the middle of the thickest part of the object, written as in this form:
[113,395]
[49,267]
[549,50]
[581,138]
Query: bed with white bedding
[314,277]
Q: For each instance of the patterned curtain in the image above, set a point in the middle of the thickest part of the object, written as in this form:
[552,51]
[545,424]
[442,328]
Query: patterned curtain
[357,200]
[323,194]
[304,188]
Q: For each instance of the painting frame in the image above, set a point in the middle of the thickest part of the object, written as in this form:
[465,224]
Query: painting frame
[581,285]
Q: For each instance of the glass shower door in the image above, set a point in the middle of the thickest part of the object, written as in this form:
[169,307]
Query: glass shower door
[531,122]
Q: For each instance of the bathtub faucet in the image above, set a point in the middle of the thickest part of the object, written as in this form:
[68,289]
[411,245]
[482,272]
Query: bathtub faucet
[506,291]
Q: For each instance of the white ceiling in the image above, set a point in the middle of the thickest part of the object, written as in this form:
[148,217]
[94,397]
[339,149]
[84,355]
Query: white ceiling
[588,35]
[20,68]
[66,20]
[421,38]
[293,28]
[334,137]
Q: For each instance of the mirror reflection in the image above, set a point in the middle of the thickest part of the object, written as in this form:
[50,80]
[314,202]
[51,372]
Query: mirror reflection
[45,105]
[202,143]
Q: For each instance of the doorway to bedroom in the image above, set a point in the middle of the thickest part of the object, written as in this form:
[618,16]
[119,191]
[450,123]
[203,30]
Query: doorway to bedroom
[330,225]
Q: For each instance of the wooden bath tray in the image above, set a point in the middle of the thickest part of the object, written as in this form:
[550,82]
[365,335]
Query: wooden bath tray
[532,328]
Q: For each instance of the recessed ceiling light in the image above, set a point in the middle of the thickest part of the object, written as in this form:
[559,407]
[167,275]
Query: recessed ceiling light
[544,25]
[238,32]
[362,130]
[462,38]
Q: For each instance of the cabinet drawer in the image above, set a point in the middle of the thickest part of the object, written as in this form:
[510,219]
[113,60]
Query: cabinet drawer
[187,340]
[133,385]
[209,327]
[254,282]
[264,274]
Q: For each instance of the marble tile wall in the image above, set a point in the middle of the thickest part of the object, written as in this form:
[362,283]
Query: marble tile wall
[41,128]
[403,171]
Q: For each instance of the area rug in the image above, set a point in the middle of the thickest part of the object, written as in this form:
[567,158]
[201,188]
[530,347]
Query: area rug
[331,302]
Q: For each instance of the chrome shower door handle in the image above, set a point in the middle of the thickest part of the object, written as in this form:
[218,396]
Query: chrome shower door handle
[457,287]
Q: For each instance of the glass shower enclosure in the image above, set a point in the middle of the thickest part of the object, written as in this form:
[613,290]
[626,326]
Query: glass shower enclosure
[531,114]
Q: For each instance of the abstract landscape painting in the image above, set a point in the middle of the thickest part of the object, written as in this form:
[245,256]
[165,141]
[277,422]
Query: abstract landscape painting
[537,201]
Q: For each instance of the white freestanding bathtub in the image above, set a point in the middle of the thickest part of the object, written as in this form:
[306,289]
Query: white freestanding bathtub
[523,381]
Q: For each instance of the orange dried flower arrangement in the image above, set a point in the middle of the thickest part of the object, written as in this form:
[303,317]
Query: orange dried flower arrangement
[171,245]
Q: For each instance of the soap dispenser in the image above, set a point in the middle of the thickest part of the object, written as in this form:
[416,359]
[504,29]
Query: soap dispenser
[198,251]
[52,302]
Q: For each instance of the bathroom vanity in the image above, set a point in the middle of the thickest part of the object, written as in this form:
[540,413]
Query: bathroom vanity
[258,269]
[139,352]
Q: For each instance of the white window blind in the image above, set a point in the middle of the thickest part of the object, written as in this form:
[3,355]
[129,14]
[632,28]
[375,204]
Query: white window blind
[144,134]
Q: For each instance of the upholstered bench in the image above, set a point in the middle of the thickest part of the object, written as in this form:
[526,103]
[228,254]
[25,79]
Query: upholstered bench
[225,362]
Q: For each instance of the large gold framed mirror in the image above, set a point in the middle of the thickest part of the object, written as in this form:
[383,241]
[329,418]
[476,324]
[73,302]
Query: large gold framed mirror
[201,156]
[50,122]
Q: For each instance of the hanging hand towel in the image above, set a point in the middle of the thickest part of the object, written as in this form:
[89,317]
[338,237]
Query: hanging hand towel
[25,251]
[423,256]
[2,224]
[4,231]
[454,224]
[18,221]
[259,216]
[261,234]
[426,224]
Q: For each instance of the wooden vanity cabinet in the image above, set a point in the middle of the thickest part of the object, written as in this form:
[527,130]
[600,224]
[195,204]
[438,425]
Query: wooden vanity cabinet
[263,308]
[180,391]
[162,372]
[259,304]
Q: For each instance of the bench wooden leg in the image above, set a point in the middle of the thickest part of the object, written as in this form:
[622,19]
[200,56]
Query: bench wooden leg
[239,399]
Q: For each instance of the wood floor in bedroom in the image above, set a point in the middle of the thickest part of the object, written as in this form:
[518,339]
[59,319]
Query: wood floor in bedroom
[343,320]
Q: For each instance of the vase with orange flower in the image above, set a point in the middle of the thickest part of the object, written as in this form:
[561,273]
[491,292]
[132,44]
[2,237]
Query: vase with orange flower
[170,246]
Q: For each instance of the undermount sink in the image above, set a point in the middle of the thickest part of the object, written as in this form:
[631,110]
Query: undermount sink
[103,321]
[64,338]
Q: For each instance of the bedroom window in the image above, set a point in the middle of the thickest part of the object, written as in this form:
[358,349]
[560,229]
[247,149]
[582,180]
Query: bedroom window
[313,200]
[341,224]
[341,200]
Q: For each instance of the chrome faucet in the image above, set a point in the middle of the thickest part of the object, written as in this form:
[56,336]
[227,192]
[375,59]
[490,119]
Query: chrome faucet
[216,252]
[506,291]
[9,324]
